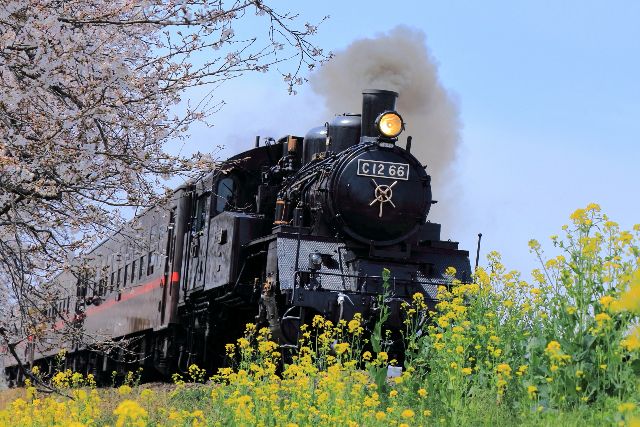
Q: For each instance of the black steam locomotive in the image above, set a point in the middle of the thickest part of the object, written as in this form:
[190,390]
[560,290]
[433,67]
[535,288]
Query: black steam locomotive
[282,232]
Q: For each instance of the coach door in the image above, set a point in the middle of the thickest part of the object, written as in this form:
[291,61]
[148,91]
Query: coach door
[168,265]
[198,241]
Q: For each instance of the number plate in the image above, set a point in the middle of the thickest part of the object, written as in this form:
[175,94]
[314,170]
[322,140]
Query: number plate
[378,169]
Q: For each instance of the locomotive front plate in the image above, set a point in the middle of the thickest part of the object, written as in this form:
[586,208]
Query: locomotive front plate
[378,169]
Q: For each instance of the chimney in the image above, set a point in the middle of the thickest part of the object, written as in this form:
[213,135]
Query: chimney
[374,103]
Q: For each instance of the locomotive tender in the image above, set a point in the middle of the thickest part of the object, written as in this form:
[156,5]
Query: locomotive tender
[279,233]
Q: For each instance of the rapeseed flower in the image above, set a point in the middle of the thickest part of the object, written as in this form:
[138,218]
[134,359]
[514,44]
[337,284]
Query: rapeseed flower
[408,413]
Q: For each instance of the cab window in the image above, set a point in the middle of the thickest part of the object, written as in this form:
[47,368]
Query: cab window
[225,192]
[201,212]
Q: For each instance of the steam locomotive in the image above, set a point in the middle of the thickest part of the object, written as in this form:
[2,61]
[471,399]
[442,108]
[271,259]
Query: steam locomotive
[287,230]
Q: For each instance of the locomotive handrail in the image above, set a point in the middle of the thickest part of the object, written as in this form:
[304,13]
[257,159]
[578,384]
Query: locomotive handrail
[329,273]
[394,281]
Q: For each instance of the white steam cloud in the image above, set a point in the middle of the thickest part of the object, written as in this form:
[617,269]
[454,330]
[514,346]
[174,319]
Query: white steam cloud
[400,61]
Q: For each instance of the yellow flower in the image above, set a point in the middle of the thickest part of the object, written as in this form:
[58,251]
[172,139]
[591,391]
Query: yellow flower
[418,298]
[442,322]
[466,371]
[380,415]
[342,347]
[354,325]
[124,390]
[554,352]
[422,392]
[553,346]
[632,341]
[393,393]
[579,216]
[606,301]
[626,407]
[532,391]
[504,368]
[230,349]
[130,413]
[407,413]
[534,245]
[630,300]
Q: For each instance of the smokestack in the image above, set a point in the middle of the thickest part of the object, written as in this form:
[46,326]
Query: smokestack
[374,103]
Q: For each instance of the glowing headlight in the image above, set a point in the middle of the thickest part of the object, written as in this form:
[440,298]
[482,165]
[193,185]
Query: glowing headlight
[390,124]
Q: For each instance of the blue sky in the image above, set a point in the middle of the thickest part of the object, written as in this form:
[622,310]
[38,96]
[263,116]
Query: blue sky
[548,95]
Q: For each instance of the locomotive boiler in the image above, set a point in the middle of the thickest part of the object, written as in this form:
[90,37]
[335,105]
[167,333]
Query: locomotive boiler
[278,234]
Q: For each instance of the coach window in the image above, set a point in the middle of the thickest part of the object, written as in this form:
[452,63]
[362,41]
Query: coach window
[118,278]
[113,274]
[225,192]
[133,271]
[126,275]
[140,267]
[82,286]
[150,264]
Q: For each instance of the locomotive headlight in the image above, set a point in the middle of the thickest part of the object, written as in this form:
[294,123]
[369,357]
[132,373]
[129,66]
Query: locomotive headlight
[390,124]
[315,261]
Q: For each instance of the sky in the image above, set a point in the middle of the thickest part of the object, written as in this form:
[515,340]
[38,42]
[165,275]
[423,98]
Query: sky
[548,98]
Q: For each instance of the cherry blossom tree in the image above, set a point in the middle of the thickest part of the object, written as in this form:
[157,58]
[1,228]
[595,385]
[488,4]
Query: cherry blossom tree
[88,94]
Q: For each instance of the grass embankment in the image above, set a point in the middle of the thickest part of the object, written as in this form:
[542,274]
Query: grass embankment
[563,350]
